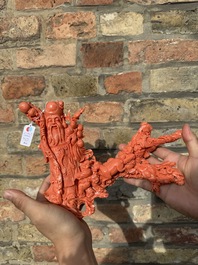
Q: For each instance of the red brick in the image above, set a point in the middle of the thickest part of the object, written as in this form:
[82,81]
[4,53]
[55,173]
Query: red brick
[102,54]
[35,166]
[94,2]
[44,253]
[10,164]
[128,82]
[97,234]
[38,4]
[103,112]
[6,114]
[13,86]
[173,235]
[160,51]
[72,25]
[129,234]
[112,255]
[9,212]
[91,136]
[111,213]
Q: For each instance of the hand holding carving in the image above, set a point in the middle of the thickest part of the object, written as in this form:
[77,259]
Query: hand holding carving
[76,177]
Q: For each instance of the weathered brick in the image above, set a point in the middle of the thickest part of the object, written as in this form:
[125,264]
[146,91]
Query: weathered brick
[102,54]
[115,136]
[9,212]
[14,87]
[176,235]
[72,107]
[2,4]
[44,253]
[174,79]
[35,165]
[6,59]
[74,86]
[166,255]
[159,2]
[175,22]
[13,141]
[81,25]
[97,233]
[129,82]
[15,28]
[103,112]
[15,254]
[3,140]
[122,191]
[28,232]
[94,2]
[91,137]
[52,55]
[119,255]
[163,110]
[155,214]
[160,51]
[122,23]
[156,234]
[39,4]
[6,232]
[111,213]
[28,185]
[6,114]
[125,234]
[10,165]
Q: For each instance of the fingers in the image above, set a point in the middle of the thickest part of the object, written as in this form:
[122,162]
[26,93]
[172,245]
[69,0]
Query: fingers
[121,146]
[154,160]
[44,186]
[190,140]
[145,184]
[162,153]
[23,202]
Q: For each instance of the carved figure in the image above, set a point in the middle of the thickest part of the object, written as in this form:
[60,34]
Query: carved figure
[76,177]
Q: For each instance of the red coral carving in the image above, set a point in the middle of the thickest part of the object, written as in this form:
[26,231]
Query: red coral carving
[76,177]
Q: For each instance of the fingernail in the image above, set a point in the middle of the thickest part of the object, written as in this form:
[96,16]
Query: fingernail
[8,195]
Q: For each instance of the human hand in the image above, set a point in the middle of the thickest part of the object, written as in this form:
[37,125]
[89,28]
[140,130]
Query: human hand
[70,235]
[183,198]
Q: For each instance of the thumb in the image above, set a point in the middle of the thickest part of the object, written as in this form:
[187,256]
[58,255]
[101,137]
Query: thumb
[21,201]
[191,141]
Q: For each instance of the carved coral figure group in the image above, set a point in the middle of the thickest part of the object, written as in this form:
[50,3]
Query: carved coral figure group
[76,177]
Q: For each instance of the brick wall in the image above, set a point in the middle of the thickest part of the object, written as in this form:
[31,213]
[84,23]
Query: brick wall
[127,62]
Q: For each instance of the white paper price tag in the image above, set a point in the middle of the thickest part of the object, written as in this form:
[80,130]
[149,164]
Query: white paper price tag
[27,135]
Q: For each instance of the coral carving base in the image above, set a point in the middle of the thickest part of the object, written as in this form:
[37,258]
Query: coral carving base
[76,177]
